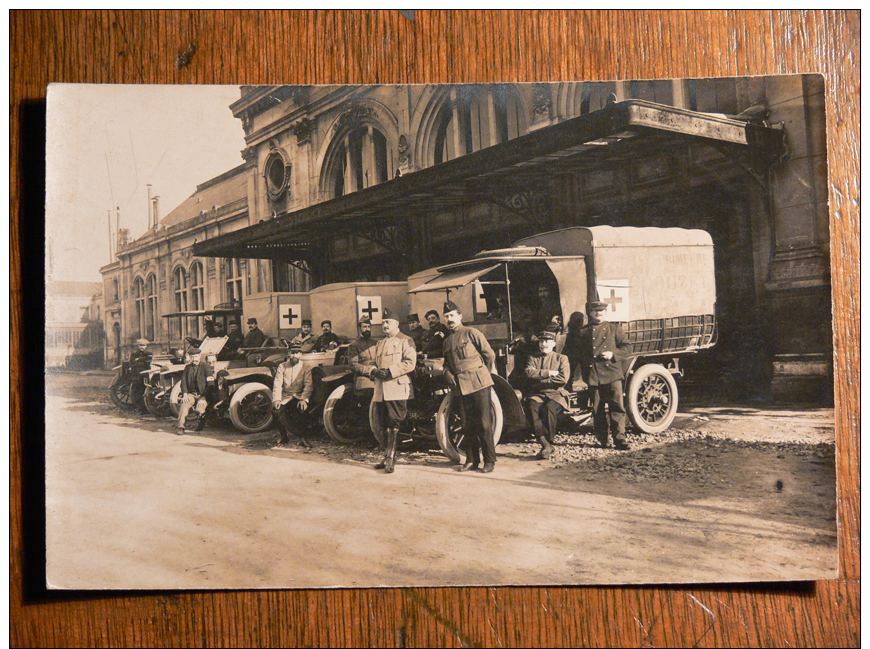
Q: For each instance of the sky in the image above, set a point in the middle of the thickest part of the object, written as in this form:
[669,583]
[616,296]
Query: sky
[105,143]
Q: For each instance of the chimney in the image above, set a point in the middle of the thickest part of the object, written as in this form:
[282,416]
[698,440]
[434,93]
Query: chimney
[155,204]
[149,206]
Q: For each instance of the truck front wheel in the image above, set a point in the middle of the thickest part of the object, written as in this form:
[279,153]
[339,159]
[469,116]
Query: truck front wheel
[450,425]
[652,398]
[344,415]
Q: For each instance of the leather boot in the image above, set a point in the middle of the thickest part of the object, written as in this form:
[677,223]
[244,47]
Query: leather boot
[392,441]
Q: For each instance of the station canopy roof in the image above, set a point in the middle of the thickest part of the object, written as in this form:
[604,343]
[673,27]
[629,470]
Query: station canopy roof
[627,130]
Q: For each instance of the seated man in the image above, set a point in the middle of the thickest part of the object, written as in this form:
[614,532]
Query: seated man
[305,339]
[328,340]
[432,340]
[291,391]
[195,380]
[255,336]
[548,372]
[415,331]
[235,339]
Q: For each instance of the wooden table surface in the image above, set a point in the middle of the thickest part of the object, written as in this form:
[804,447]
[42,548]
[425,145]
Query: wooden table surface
[384,46]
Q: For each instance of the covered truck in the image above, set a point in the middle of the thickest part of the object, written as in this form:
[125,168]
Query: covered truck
[658,282]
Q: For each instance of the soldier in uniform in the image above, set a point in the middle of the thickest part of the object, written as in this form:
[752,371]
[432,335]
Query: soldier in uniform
[255,336]
[291,392]
[361,352]
[432,340]
[603,347]
[548,372]
[235,339]
[327,340]
[195,380]
[395,359]
[470,359]
[140,358]
[415,331]
[305,339]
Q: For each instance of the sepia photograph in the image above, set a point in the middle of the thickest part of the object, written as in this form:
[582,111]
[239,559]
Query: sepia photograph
[569,333]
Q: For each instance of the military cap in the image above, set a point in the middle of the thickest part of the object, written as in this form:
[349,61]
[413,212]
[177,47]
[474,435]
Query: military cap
[252,321]
[430,312]
[595,306]
[451,306]
[307,321]
[295,347]
[193,351]
[143,341]
[413,318]
[547,334]
[329,322]
[388,315]
[365,320]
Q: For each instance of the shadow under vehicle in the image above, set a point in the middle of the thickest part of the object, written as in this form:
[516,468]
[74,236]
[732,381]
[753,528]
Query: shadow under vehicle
[657,282]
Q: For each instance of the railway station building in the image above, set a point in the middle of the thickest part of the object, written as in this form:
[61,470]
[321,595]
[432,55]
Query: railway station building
[376,183]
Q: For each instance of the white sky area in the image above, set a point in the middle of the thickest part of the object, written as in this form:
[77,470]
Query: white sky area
[105,143]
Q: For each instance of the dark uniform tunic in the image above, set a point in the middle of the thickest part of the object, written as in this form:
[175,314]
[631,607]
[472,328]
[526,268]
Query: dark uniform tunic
[469,356]
[432,340]
[255,338]
[549,397]
[605,377]
[194,382]
[325,341]
[362,360]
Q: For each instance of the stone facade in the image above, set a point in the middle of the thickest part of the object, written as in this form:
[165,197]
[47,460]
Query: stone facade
[307,145]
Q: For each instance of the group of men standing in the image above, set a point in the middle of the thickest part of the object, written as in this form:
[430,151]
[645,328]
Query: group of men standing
[591,358]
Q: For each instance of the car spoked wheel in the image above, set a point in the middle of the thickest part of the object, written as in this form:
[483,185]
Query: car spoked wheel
[251,408]
[344,415]
[450,425]
[157,402]
[652,398]
[119,392]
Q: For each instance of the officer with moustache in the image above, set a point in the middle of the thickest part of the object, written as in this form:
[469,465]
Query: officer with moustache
[361,352]
[470,359]
[291,392]
[603,346]
[195,379]
[395,359]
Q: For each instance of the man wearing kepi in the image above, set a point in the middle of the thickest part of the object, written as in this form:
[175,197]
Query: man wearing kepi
[548,372]
[469,359]
[291,391]
[194,381]
[395,359]
[603,347]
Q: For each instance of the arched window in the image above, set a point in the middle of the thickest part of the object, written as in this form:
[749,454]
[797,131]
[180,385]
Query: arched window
[476,117]
[361,159]
[141,310]
[152,315]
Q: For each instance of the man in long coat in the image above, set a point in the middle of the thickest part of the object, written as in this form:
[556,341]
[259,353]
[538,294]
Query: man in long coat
[469,359]
[395,358]
[548,372]
[195,379]
[291,391]
[603,347]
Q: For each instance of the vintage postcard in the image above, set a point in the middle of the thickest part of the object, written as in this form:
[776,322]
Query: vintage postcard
[438,335]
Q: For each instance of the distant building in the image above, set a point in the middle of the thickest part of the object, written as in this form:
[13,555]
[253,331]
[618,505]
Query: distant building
[74,336]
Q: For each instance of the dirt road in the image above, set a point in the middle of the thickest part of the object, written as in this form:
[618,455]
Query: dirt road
[726,495]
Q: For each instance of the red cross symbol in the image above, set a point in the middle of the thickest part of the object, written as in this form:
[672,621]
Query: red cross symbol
[370,309]
[290,317]
[612,301]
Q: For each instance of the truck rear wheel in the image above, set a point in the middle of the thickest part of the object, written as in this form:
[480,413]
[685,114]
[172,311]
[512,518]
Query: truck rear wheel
[652,398]
[251,408]
[344,415]
[157,405]
[450,422]
[119,391]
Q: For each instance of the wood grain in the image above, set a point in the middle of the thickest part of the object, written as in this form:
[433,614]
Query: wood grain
[448,46]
